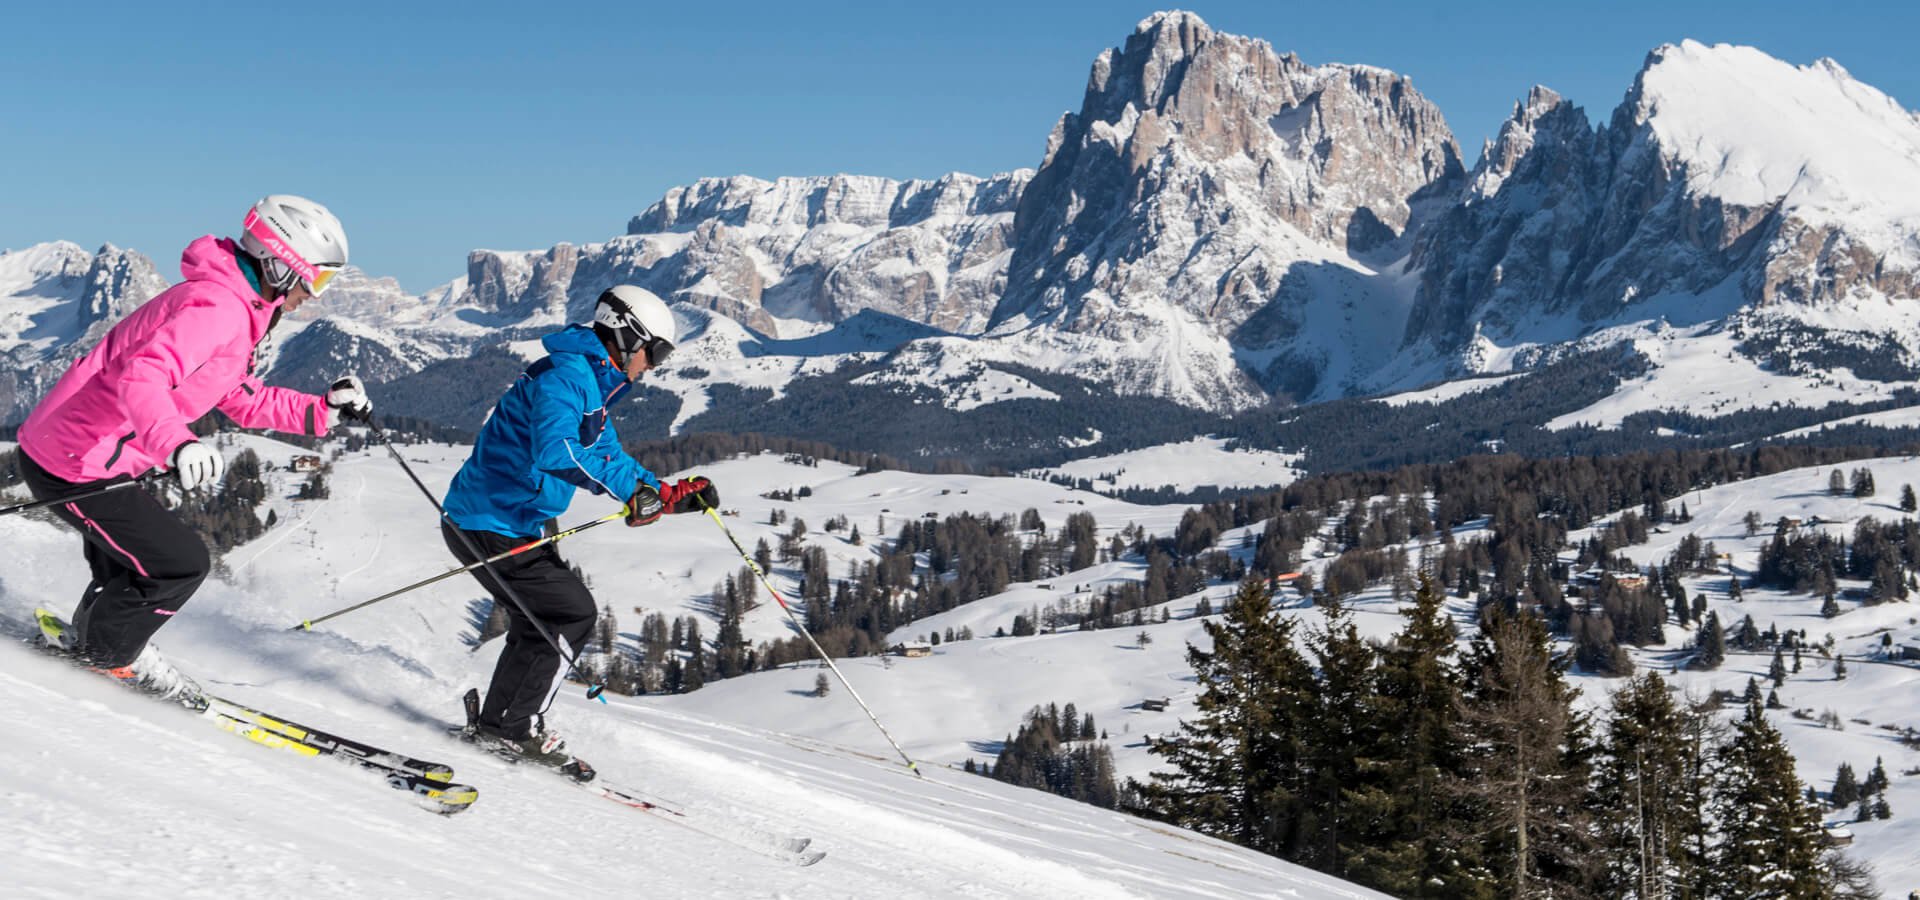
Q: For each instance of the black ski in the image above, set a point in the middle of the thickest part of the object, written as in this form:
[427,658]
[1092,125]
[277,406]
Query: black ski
[331,743]
[430,783]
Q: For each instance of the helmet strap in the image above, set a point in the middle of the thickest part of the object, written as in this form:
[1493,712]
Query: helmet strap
[278,277]
[608,344]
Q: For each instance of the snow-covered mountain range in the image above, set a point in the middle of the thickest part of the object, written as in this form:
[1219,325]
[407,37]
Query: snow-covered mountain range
[1224,227]
[56,299]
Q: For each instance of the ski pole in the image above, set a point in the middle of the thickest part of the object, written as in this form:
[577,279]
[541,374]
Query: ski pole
[55,501]
[594,692]
[308,624]
[751,564]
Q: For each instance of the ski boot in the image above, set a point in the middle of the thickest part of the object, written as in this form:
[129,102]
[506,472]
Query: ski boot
[541,747]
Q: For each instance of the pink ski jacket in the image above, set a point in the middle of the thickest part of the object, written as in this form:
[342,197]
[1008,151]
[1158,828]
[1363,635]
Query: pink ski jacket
[125,406]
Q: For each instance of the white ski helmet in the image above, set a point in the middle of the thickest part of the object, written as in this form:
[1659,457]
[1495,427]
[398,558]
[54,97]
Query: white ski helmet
[632,319]
[296,240]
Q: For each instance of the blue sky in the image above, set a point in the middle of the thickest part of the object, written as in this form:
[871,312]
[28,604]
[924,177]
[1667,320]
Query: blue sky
[431,129]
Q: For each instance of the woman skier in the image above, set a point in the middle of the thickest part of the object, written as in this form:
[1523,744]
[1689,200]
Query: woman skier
[548,436]
[123,409]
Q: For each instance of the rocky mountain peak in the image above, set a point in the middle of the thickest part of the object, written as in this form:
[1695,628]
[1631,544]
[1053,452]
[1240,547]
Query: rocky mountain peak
[1542,115]
[1728,187]
[117,281]
[1201,167]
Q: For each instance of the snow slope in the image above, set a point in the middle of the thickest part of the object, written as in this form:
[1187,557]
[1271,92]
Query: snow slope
[80,803]
[757,750]
[1824,147]
[1184,466]
[969,695]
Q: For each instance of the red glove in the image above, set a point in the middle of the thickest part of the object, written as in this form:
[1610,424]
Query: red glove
[696,494]
[686,495]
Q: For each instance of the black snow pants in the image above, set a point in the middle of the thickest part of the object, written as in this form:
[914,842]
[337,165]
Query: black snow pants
[145,563]
[528,673]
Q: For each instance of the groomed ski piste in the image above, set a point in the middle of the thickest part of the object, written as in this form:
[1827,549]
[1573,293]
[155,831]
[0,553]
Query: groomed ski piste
[101,789]
[112,784]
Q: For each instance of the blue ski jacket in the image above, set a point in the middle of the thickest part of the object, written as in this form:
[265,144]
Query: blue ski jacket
[547,436]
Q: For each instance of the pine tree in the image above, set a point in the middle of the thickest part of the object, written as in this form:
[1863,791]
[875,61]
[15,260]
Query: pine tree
[1650,791]
[1342,739]
[1777,670]
[1711,644]
[1526,755]
[1407,850]
[1862,485]
[1876,782]
[1908,502]
[1234,770]
[1770,842]
[1846,788]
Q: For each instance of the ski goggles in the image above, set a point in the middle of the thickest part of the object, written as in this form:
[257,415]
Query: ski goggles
[658,349]
[321,279]
[634,339]
[316,278]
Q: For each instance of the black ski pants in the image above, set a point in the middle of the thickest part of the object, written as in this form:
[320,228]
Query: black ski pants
[528,673]
[145,563]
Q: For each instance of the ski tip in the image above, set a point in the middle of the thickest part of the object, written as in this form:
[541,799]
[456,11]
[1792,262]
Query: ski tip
[810,857]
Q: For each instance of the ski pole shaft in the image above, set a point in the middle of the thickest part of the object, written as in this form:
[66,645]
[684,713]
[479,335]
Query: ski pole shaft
[755,566]
[594,692]
[505,554]
[55,501]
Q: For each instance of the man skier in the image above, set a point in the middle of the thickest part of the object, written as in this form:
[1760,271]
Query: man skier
[123,409]
[548,436]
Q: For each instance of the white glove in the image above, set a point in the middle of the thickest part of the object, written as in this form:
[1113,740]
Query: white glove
[262,352]
[348,399]
[197,465]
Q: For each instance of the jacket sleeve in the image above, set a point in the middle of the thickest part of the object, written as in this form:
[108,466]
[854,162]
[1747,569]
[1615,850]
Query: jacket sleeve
[257,405]
[563,411]
[147,375]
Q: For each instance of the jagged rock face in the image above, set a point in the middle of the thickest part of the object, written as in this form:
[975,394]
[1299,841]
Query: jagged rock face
[1539,186]
[58,302]
[521,286]
[329,348]
[1702,177]
[116,282]
[1188,136]
[813,249]
[1200,170]
[356,295]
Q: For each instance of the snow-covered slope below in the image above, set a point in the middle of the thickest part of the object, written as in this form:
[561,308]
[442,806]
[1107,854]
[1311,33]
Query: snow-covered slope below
[1700,370]
[1185,466]
[756,750]
[167,805]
